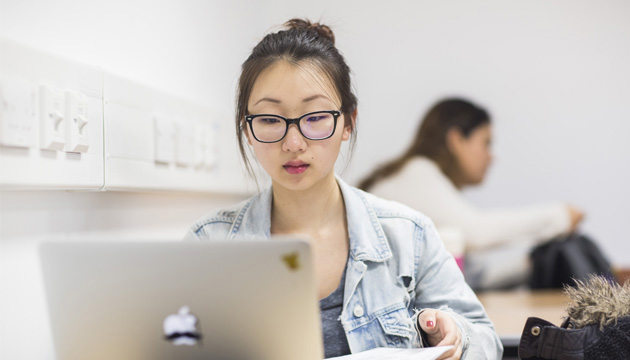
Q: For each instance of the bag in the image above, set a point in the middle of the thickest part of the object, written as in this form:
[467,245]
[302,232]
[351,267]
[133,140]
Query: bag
[563,259]
[542,340]
[597,325]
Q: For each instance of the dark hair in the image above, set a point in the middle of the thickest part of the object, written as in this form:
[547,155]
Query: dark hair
[430,140]
[302,42]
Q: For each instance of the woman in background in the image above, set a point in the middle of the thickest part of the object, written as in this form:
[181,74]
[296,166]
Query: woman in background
[376,262]
[451,150]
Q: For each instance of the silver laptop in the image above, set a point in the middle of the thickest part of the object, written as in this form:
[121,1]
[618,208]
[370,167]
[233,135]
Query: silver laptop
[218,300]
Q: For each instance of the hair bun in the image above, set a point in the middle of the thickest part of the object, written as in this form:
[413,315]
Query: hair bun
[323,30]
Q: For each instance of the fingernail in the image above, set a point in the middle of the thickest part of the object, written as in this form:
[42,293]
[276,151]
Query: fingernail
[429,323]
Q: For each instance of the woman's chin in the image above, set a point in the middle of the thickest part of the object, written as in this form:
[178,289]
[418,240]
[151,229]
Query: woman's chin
[474,181]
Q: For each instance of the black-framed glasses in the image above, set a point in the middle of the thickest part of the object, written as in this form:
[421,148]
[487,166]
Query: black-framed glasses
[317,125]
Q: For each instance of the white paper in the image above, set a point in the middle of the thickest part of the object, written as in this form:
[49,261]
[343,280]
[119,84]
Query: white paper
[431,353]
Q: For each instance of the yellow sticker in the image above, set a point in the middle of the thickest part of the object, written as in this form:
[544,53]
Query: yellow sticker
[292,261]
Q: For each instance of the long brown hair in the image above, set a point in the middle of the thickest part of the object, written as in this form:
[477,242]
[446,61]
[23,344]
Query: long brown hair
[430,140]
[302,42]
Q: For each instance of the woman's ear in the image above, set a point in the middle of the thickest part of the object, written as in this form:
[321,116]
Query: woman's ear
[347,130]
[454,140]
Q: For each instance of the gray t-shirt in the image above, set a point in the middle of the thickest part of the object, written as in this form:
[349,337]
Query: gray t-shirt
[335,341]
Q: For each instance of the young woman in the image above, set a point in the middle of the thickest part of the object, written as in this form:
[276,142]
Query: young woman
[376,262]
[450,151]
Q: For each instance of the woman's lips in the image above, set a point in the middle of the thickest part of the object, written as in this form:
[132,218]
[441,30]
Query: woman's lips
[295,168]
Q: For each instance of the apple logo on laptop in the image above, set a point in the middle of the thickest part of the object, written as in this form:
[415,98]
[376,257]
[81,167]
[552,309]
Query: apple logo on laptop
[181,328]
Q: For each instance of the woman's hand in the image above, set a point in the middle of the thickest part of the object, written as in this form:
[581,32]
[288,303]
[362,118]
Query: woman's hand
[441,330]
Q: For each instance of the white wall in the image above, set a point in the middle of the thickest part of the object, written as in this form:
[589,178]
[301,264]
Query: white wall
[554,75]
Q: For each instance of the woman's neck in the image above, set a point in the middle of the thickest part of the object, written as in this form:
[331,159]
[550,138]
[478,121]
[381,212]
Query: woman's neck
[457,183]
[449,169]
[308,211]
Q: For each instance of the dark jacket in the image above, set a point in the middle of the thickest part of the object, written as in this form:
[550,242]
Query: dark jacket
[543,340]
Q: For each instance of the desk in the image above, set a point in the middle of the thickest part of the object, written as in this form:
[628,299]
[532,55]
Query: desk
[509,311]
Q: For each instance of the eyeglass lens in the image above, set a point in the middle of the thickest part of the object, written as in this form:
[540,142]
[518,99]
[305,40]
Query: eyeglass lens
[313,126]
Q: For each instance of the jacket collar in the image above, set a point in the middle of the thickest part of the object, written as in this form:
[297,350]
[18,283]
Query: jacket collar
[253,221]
[367,239]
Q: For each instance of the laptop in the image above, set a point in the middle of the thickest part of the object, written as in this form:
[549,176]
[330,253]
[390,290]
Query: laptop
[182,300]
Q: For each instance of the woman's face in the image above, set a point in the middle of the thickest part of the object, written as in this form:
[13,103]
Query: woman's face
[296,163]
[473,153]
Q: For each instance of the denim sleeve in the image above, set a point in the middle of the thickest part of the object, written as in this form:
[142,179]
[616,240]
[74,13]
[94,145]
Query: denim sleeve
[191,235]
[209,229]
[440,285]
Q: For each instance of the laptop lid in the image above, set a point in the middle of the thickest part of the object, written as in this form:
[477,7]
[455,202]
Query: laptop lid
[182,300]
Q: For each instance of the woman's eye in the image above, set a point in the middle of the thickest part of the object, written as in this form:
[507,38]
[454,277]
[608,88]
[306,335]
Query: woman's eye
[314,118]
[269,120]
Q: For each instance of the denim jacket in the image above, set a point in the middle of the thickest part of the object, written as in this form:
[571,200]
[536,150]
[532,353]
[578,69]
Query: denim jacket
[397,265]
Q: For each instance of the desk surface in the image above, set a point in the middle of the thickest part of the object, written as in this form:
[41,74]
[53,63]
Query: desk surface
[509,310]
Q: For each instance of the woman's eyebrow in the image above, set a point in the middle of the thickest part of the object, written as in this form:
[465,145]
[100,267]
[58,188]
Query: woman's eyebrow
[275,101]
[311,98]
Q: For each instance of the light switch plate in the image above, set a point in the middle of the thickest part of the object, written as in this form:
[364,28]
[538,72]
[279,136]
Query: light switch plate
[18,113]
[164,131]
[211,149]
[51,118]
[76,121]
[201,143]
[184,143]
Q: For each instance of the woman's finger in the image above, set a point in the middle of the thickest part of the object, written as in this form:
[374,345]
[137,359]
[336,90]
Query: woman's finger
[449,330]
[441,330]
[450,336]
[454,353]
[428,322]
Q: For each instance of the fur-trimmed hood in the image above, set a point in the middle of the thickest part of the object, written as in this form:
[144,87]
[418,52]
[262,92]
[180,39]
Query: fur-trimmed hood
[597,301]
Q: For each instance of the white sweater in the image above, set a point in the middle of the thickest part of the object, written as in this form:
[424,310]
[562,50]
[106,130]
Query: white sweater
[498,241]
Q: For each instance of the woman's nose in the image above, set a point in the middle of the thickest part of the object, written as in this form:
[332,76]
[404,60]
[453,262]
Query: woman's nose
[293,140]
